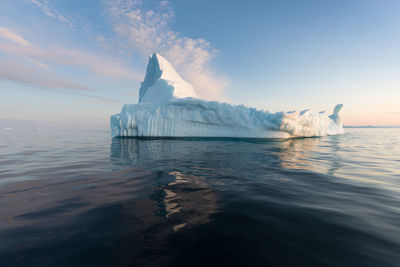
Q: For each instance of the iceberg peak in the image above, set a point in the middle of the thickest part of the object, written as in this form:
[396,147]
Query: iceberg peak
[335,115]
[162,83]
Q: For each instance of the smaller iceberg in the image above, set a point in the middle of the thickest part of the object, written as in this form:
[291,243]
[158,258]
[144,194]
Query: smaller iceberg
[169,107]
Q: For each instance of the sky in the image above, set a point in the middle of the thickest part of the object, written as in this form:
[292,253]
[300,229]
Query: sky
[75,63]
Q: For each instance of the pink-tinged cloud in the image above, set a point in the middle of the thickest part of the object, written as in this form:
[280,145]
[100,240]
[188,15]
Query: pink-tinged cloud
[15,71]
[48,80]
[12,36]
[23,55]
[98,64]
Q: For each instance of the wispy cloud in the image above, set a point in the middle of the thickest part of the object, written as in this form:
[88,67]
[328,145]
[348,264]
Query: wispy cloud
[37,73]
[36,62]
[15,71]
[98,64]
[47,80]
[50,11]
[148,31]
[12,36]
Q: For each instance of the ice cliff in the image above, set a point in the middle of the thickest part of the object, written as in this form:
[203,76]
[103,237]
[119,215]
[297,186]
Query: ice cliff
[168,107]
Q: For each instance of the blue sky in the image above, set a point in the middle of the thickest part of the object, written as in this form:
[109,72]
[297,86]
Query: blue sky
[74,63]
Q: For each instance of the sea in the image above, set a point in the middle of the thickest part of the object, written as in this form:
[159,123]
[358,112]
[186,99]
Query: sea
[72,197]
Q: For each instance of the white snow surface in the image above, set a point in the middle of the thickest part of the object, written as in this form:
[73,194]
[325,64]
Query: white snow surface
[168,107]
[163,83]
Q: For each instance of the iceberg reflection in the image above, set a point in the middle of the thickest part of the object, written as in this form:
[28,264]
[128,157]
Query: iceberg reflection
[182,198]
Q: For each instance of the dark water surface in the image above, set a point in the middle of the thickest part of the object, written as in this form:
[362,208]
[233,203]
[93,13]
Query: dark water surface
[79,198]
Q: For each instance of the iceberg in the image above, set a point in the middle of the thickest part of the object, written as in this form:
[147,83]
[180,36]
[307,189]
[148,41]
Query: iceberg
[169,107]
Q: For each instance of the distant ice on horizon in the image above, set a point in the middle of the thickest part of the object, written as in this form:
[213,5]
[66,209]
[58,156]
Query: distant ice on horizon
[169,107]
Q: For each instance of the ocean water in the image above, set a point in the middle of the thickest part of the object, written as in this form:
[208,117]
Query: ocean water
[79,198]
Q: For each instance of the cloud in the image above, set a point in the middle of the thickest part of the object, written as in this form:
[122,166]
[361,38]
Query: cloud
[148,31]
[10,35]
[50,10]
[15,71]
[99,64]
[36,62]
[42,75]
[137,31]
[47,80]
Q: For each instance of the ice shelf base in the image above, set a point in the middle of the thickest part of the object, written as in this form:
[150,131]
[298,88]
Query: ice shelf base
[199,118]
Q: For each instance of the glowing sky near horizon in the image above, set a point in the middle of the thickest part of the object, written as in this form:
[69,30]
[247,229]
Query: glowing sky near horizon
[75,63]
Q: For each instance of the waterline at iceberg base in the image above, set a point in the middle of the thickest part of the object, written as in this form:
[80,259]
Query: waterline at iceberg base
[168,107]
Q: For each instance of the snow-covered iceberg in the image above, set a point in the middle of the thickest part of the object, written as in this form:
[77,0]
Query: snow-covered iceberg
[169,107]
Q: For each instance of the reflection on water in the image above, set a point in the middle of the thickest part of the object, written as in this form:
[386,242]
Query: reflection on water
[296,153]
[79,198]
[182,196]
[310,154]
[145,192]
